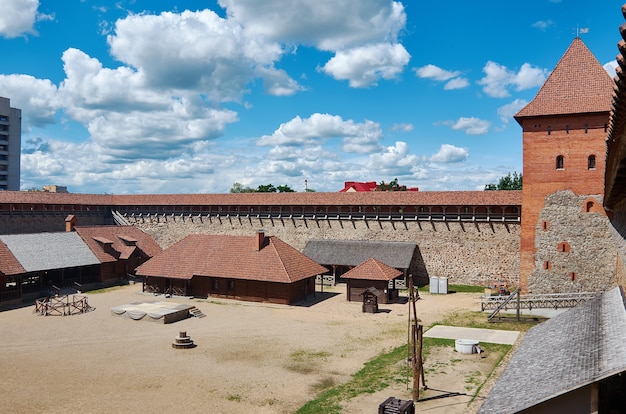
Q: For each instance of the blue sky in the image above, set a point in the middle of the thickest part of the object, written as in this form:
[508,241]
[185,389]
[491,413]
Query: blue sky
[151,96]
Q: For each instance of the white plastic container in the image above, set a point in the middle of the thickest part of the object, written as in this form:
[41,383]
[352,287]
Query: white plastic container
[443,285]
[434,284]
[466,346]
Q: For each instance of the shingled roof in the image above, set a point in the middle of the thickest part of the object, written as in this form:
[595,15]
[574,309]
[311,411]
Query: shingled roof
[562,92]
[123,241]
[355,252]
[376,198]
[9,265]
[574,349]
[372,269]
[235,257]
[47,251]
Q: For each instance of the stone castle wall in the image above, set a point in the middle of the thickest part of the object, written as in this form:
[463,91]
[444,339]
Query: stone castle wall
[588,260]
[41,223]
[466,253]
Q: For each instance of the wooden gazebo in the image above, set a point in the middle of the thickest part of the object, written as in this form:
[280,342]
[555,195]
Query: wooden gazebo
[371,274]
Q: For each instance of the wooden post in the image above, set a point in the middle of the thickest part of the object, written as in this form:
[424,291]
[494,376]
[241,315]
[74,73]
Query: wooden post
[414,364]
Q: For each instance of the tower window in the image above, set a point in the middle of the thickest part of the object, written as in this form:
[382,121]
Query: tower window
[563,247]
[572,276]
[591,162]
[589,206]
[547,265]
[559,162]
[545,225]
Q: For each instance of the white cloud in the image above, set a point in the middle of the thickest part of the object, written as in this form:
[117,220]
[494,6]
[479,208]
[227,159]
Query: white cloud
[363,66]
[506,112]
[610,68]
[18,17]
[542,24]
[394,159]
[498,79]
[449,153]
[402,127]
[325,24]
[37,98]
[456,83]
[318,128]
[434,72]
[453,78]
[197,51]
[471,125]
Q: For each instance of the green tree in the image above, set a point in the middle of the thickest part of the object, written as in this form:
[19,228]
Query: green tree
[266,188]
[391,186]
[284,189]
[508,182]
[239,188]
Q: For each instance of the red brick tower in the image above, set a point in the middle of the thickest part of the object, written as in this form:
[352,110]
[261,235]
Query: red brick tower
[564,132]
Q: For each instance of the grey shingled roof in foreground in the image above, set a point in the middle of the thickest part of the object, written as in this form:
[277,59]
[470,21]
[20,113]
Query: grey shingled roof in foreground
[567,352]
[47,251]
[355,252]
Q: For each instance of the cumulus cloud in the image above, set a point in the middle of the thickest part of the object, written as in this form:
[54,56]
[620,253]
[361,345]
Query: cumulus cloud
[325,24]
[610,68]
[456,83]
[18,17]
[363,66]
[434,72]
[471,125]
[395,159]
[449,153]
[197,51]
[453,79]
[498,79]
[506,112]
[319,128]
[37,98]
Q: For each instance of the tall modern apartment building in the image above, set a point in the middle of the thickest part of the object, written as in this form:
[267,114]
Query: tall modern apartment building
[10,145]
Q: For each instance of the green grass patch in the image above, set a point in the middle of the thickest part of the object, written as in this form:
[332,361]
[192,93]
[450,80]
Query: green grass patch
[375,375]
[391,367]
[470,319]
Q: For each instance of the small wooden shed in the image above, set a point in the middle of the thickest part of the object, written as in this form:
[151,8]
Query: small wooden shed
[371,274]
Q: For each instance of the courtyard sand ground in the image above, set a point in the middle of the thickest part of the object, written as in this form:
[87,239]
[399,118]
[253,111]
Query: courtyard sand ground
[250,357]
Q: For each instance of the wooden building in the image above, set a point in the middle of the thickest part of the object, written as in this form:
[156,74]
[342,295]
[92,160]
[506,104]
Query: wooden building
[340,256]
[37,264]
[372,274]
[253,268]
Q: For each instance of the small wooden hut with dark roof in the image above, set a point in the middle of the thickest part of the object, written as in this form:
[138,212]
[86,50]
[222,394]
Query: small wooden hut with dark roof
[343,255]
[253,268]
[371,274]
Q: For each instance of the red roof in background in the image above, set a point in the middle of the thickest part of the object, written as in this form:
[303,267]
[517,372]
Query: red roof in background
[358,186]
[578,84]
[9,265]
[124,241]
[372,269]
[232,257]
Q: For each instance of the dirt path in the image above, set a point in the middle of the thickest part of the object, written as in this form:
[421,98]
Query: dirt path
[249,357]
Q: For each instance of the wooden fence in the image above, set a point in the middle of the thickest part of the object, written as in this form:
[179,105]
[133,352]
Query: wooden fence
[62,305]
